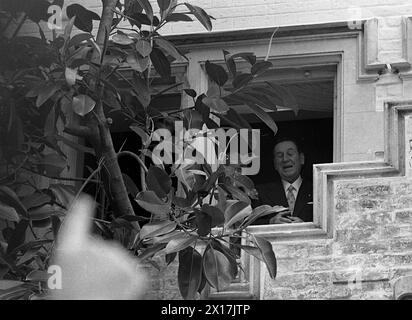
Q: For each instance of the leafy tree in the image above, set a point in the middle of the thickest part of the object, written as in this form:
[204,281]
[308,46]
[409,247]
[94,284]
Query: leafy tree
[59,93]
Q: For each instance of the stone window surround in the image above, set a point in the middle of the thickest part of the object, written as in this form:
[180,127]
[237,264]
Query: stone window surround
[290,49]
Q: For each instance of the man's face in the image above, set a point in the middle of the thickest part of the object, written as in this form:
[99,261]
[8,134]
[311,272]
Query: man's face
[288,161]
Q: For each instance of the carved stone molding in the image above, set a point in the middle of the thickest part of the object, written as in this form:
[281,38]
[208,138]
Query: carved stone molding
[406,62]
[371,46]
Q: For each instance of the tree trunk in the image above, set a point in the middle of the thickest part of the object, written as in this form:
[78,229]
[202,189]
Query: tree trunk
[101,137]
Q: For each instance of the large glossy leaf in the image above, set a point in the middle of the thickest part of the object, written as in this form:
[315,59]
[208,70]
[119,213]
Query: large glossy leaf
[216,268]
[288,99]
[260,67]
[268,255]
[204,223]
[215,213]
[131,187]
[200,15]
[122,39]
[18,236]
[160,62]
[141,90]
[84,17]
[190,92]
[237,212]
[244,181]
[216,103]
[230,255]
[247,56]
[177,244]
[264,116]
[158,181]
[230,63]
[36,10]
[168,47]
[35,199]
[31,245]
[50,124]
[253,97]
[149,201]
[189,275]
[46,93]
[216,73]
[38,276]
[164,6]
[8,213]
[9,197]
[9,284]
[155,229]
[140,132]
[79,38]
[53,164]
[175,17]
[56,223]
[137,62]
[147,7]
[237,193]
[257,213]
[143,47]
[45,212]
[82,104]
[241,80]
[151,251]
[253,251]
[72,76]
[140,18]
[64,194]
[166,238]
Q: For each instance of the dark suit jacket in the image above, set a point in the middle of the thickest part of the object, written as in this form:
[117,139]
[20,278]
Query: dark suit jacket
[273,194]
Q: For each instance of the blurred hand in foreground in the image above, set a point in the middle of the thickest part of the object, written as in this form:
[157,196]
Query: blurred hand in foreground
[93,268]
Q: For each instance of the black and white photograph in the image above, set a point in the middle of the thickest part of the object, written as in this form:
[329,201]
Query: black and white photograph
[207,155]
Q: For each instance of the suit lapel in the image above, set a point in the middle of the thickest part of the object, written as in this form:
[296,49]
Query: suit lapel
[302,198]
[279,190]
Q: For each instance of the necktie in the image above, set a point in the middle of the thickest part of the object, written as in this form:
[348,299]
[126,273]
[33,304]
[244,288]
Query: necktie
[291,198]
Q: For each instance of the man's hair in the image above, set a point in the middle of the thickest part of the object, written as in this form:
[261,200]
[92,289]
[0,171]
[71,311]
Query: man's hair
[291,139]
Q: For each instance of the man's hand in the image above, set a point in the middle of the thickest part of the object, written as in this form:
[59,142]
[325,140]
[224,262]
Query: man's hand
[295,219]
[281,217]
[284,217]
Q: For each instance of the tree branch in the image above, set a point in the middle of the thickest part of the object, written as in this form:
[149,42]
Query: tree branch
[59,178]
[134,156]
[78,131]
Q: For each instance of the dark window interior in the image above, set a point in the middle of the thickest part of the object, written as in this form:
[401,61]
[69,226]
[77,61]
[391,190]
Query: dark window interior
[312,125]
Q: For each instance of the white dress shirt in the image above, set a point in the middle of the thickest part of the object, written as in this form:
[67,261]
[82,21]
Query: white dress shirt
[296,184]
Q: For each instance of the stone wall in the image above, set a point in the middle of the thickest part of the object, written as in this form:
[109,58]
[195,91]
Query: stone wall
[372,246]
[370,249]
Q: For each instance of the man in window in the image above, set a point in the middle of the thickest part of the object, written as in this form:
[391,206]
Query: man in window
[290,189]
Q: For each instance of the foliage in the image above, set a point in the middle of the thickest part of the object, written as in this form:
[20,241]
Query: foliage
[55,92]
